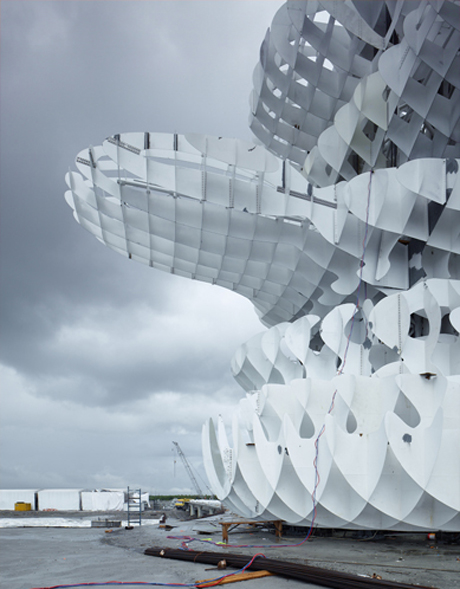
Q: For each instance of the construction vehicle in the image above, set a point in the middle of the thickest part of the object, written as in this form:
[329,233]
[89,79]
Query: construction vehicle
[181,503]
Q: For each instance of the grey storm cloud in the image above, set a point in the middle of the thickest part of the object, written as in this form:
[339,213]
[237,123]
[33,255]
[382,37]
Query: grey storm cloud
[102,358]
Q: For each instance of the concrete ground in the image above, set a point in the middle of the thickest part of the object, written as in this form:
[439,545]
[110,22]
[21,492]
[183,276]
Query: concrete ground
[46,557]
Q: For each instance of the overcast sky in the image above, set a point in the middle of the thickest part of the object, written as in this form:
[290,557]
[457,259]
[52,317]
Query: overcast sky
[104,362]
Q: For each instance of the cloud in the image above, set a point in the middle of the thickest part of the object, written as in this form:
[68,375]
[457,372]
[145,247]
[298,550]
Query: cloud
[58,442]
[104,361]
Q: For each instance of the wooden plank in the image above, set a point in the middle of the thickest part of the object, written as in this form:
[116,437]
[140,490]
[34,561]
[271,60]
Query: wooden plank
[227,524]
[233,578]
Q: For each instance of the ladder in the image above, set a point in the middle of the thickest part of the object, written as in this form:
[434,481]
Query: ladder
[134,504]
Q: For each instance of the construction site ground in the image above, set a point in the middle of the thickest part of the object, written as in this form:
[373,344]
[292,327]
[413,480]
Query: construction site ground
[32,557]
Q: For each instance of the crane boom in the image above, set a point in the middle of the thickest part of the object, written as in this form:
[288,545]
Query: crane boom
[188,469]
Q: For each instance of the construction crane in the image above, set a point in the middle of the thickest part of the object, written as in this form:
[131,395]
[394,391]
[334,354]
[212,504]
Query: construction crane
[188,469]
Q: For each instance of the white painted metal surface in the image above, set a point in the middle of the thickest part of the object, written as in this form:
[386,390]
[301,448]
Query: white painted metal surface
[345,234]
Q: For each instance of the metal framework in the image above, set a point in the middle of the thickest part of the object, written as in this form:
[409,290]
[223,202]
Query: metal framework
[188,468]
[344,232]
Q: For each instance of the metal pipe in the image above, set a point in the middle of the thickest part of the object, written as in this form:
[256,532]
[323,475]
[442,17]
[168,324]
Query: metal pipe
[301,572]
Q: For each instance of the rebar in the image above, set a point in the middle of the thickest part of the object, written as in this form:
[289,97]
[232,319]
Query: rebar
[301,572]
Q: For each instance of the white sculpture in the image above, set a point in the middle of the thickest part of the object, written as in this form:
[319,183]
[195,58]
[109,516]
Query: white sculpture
[388,449]
[348,246]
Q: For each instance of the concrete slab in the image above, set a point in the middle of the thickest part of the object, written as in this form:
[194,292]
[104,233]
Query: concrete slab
[34,557]
[46,557]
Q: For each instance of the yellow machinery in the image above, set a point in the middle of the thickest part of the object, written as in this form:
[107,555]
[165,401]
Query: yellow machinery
[21,506]
[181,503]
